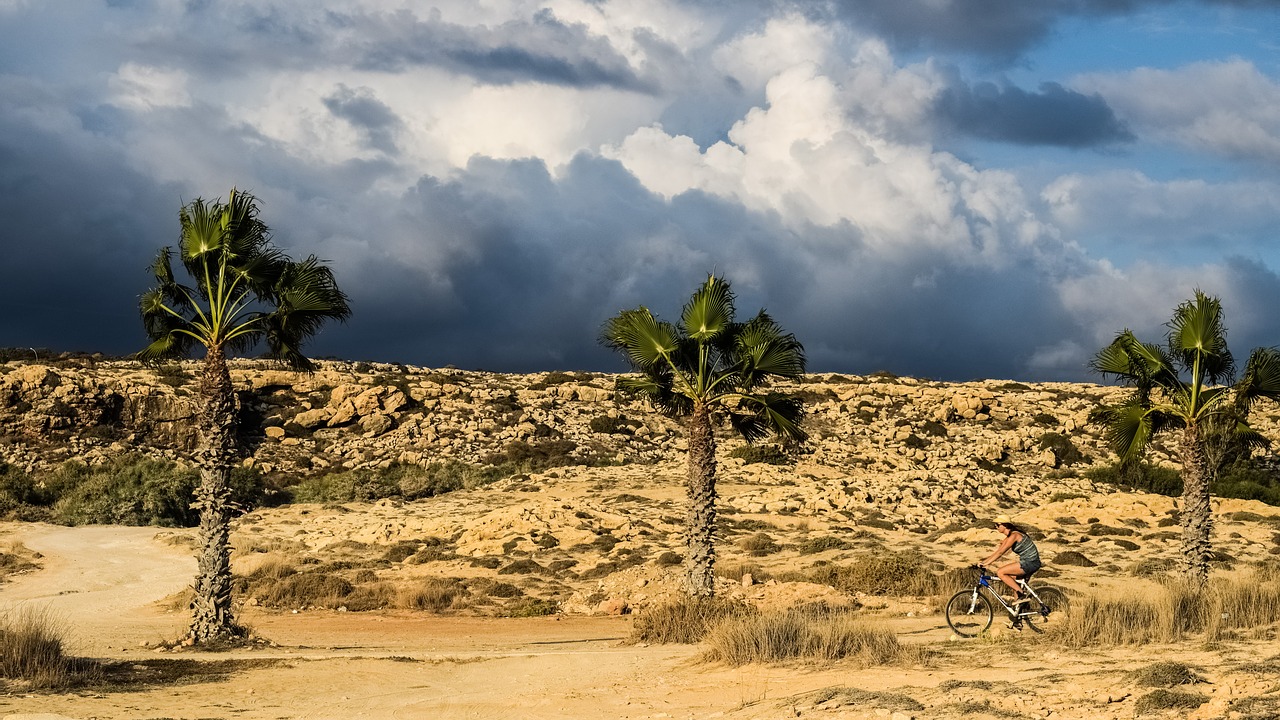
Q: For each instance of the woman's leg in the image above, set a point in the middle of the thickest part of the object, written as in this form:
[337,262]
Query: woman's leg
[1009,574]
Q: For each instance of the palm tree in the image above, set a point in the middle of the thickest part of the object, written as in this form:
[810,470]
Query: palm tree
[1181,387]
[245,292]
[710,367]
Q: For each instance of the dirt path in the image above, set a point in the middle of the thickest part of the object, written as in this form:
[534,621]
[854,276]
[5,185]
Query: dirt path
[102,581]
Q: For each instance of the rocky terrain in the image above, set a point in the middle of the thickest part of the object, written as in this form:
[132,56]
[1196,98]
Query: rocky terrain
[908,448]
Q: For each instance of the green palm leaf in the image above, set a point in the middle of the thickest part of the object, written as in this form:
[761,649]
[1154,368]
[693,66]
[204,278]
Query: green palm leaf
[1197,335]
[637,333]
[1261,376]
[709,311]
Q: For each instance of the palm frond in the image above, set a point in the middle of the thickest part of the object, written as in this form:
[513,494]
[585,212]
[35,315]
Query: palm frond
[758,415]
[709,311]
[644,340]
[764,351]
[1198,337]
[1127,429]
[1261,379]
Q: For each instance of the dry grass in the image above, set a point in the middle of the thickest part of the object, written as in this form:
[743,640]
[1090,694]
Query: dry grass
[810,636]
[434,594]
[31,651]
[1173,611]
[898,574]
[687,620]
[303,590]
[1157,701]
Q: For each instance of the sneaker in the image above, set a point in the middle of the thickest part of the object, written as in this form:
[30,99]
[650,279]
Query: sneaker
[1015,625]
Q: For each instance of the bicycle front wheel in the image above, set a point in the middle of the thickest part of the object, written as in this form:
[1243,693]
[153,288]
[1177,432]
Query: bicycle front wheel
[1053,602]
[969,613]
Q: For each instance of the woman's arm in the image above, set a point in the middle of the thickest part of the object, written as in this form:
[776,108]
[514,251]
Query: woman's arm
[1009,540]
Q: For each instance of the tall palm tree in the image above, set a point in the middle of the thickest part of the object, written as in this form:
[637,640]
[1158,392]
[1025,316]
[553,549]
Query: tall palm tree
[245,292]
[1181,388]
[706,368]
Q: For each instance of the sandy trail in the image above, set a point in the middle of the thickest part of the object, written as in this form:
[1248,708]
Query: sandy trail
[102,581]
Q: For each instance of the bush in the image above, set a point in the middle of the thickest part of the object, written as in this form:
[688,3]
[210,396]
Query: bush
[890,573]
[822,543]
[611,425]
[686,621]
[767,454]
[432,594]
[796,634]
[536,457]
[1160,700]
[31,650]
[130,490]
[1063,449]
[1139,476]
[759,544]
[302,590]
[1166,675]
[397,480]
[1246,481]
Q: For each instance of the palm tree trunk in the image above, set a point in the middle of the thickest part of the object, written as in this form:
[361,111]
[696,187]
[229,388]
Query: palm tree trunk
[700,523]
[1197,517]
[212,619]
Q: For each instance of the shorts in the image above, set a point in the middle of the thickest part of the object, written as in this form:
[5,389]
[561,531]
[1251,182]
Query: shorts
[1029,567]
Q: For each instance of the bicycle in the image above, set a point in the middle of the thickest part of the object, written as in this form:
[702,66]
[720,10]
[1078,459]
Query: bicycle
[970,612]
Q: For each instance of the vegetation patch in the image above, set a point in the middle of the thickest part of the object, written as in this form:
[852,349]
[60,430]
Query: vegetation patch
[821,543]
[1073,558]
[32,653]
[799,635]
[1166,675]
[767,454]
[1161,700]
[759,544]
[685,621]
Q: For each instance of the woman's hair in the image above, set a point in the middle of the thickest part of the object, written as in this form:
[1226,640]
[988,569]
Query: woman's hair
[1014,527]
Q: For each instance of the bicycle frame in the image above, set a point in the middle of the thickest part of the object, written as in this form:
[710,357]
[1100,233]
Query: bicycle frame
[984,581]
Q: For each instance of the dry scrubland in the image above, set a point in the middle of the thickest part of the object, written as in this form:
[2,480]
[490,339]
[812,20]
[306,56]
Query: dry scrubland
[510,546]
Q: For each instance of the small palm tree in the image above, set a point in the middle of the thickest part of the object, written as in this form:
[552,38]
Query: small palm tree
[245,292]
[1182,388]
[708,367]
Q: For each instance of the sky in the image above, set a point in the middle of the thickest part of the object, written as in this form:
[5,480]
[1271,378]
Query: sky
[950,189]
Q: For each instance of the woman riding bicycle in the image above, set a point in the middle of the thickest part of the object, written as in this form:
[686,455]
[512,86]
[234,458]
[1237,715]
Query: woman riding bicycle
[1016,539]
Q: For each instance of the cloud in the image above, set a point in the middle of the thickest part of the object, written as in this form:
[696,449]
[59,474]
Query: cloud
[1052,116]
[361,107]
[1227,108]
[1127,208]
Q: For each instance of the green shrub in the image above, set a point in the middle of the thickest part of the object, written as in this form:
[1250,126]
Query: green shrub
[767,454]
[822,543]
[759,544]
[890,573]
[531,607]
[611,425]
[1063,449]
[1139,476]
[536,457]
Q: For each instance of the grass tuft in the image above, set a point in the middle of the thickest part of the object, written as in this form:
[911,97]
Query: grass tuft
[31,651]
[1160,700]
[813,636]
[687,620]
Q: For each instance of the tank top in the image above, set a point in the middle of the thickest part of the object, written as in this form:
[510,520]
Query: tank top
[1025,549]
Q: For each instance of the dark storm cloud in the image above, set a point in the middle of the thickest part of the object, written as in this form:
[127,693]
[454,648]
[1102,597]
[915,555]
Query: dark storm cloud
[542,49]
[1001,30]
[79,231]
[1052,116]
[245,38]
[372,117]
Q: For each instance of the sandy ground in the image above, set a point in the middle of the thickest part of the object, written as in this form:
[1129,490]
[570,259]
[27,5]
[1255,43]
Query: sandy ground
[104,584]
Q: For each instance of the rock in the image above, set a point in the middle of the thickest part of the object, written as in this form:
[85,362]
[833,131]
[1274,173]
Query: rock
[274,432]
[345,413]
[312,419]
[613,606]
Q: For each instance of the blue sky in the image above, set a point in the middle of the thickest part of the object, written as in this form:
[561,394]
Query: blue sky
[943,188]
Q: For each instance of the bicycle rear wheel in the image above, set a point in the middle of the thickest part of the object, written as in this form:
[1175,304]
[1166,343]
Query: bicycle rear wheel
[969,613]
[1053,602]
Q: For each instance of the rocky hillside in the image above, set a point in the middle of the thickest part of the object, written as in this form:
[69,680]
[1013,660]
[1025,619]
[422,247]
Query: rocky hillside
[916,449]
